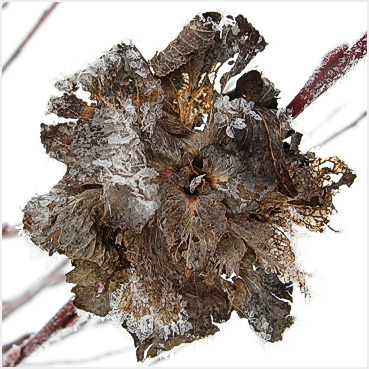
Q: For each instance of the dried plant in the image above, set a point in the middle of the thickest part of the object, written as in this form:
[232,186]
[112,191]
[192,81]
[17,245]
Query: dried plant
[179,199]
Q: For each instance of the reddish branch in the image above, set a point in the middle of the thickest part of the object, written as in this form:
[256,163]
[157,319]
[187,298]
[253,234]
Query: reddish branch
[65,317]
[29,36]
[9,231]
[17,342]
[334,66]
[51,279]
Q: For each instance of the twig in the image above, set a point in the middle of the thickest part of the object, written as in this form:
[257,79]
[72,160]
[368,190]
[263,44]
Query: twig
[82,323]
[334,66]
[4,5]
[17,342]
[28,37]
[9,231]
[353,124]
[54,277]
[65,317]
[80,361]
[332,114]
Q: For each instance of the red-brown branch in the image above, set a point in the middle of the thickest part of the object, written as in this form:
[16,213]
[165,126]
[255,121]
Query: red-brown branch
[29,36]
[334,66]
[51,279]
[17,342]
[65,317]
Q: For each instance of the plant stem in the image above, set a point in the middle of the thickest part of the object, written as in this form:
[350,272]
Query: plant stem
[51,279]
[29,36]
[9,231]
[65,317]
[334,66]
[353,124]
[17,342]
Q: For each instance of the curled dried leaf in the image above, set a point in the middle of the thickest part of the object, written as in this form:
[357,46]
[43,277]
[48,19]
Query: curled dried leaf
[178,201]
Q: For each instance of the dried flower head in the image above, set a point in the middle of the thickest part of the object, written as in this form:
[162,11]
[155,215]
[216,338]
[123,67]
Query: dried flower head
[178,201]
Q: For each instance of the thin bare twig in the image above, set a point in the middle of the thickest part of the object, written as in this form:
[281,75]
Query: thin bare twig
[332,114]
[51,279]
[353,124]
[9,231]
[66,317]
[82,323]
[29,36]
[82,360]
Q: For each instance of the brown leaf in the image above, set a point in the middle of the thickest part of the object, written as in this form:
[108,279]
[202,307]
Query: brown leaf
[178,201]
[67,225]
[192,225]
[262,299]
[192,40]
[252,87]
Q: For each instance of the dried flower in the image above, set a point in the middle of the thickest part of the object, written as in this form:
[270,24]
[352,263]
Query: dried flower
[179,200]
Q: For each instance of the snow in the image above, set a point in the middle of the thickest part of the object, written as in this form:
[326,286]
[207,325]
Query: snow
[323,334]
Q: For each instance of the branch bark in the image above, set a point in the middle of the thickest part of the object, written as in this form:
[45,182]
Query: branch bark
[66,317]
[334,66]
[17,342]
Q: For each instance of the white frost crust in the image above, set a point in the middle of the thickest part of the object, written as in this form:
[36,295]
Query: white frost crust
[124,163]
[97,69]
[109,150]
[261,324]
[117,58]
[145,326]
[134,60]
[224,23]
[150,113]
[232,113]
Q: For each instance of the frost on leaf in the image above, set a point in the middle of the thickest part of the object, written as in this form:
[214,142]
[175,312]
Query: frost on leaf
[170,227]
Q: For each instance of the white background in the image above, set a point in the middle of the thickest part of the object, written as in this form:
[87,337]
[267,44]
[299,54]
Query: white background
[331,330]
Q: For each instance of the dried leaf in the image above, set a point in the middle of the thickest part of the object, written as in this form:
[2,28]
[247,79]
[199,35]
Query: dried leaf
[192,225]
[179,200]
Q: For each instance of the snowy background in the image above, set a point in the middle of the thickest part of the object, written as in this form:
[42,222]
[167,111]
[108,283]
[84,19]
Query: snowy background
[330,330]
